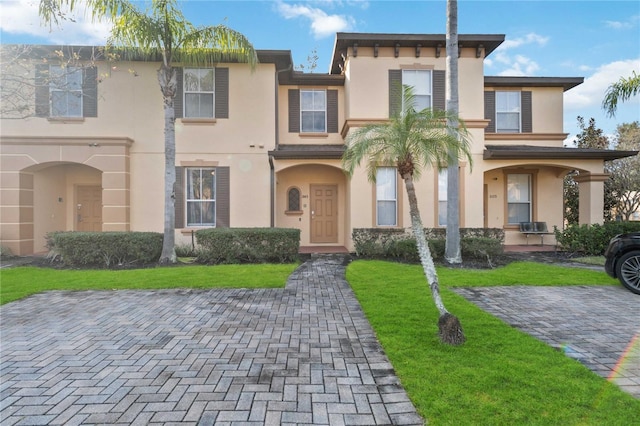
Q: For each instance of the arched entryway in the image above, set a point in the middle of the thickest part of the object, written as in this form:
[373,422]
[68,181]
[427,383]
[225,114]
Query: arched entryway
[62,184]
[312,198]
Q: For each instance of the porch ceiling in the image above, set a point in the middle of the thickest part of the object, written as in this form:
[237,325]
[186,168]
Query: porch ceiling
[301,152]
[522,152]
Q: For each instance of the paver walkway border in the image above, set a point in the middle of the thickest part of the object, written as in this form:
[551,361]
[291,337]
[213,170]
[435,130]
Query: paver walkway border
[301,355]
[596,325]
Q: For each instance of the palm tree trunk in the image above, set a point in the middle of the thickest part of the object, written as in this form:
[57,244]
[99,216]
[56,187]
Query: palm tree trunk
[452,246]
[450,330]
[168,86]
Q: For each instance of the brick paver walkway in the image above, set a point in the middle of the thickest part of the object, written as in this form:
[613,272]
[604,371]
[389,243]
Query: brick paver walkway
[598,326]
[301,355]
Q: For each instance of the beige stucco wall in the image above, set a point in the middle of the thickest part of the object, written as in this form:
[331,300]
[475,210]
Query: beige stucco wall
[287,137]
[130,109]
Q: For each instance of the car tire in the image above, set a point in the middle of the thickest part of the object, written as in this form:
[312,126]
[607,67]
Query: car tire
[628,271]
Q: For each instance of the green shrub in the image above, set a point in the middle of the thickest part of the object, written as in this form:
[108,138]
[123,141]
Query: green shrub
[592,240]
[247,245]
[480,248]
[5,252]
[105,249]
[380,243]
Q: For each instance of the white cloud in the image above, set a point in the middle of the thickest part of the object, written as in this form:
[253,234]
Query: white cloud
[517,64]
[531,38]
[21,17]
[322,24]
[623,25]
[592,91]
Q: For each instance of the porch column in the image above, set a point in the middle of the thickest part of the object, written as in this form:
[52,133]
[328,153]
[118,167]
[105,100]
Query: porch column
[16,229]
[591,197]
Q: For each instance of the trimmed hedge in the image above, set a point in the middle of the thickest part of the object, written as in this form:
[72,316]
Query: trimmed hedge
[592,240]
[475,243]
[105,249]
[247,245]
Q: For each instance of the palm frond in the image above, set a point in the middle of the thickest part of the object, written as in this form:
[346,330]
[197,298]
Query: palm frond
[424,137]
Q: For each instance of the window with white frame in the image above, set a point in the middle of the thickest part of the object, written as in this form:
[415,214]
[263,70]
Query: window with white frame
[421,82]
[442,197]
[508,109]
[313,111]
[199,95]
[201,196]
[386,196]
[519,198]
[65,85]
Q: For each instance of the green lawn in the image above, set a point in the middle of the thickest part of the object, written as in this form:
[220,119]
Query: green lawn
[16,283]
[500,376]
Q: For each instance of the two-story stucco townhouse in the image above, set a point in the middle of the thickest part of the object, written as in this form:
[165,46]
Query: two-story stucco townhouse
[263,148]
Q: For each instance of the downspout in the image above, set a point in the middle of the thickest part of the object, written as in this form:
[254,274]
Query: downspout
[277,139]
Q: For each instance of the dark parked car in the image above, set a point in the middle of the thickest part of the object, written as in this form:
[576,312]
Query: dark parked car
[623,260]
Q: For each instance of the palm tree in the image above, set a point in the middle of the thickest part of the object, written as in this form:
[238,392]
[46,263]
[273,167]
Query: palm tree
[621,91]
[162,31]
[452,246]
[412,140]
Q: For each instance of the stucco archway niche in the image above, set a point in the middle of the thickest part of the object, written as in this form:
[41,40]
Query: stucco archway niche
[39,179]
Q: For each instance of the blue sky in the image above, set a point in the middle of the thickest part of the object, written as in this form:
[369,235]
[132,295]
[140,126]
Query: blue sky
[597,40]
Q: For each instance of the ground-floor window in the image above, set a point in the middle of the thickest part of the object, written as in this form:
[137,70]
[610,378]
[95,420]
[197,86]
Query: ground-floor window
[201,196]
[386,196]
[519,198]
[293,200]
[442,197]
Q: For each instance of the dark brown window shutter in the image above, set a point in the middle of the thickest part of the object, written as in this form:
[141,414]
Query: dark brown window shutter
[439,89]
[395,92]
[179,202]
[490,111]
[90,92]
[222,93]
[42,90]
[527,121]
[332,111]
[222,197]
[294,111]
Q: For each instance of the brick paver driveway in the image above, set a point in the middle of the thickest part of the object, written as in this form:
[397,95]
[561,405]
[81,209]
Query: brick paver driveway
[300,355]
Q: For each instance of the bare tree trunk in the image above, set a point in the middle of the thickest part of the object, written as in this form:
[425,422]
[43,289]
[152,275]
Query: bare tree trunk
[452,247]
[450,329]
[168,86]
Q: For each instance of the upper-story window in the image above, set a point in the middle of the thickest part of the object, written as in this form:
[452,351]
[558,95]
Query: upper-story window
[422,85]
[199,92]
[65,86]
[313,111]
[508,109]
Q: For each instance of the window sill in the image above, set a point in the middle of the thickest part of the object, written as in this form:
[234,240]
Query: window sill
[65,119]
[189,230]
[198,120]
[313,135]
[294,212]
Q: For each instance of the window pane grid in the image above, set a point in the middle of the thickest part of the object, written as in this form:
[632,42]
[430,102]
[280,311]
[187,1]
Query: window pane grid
[386,197]
[65,90]
[420,80]
[199,94]
[442,197]
[201,197]
[518,198]
[313,111]
[508,112]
